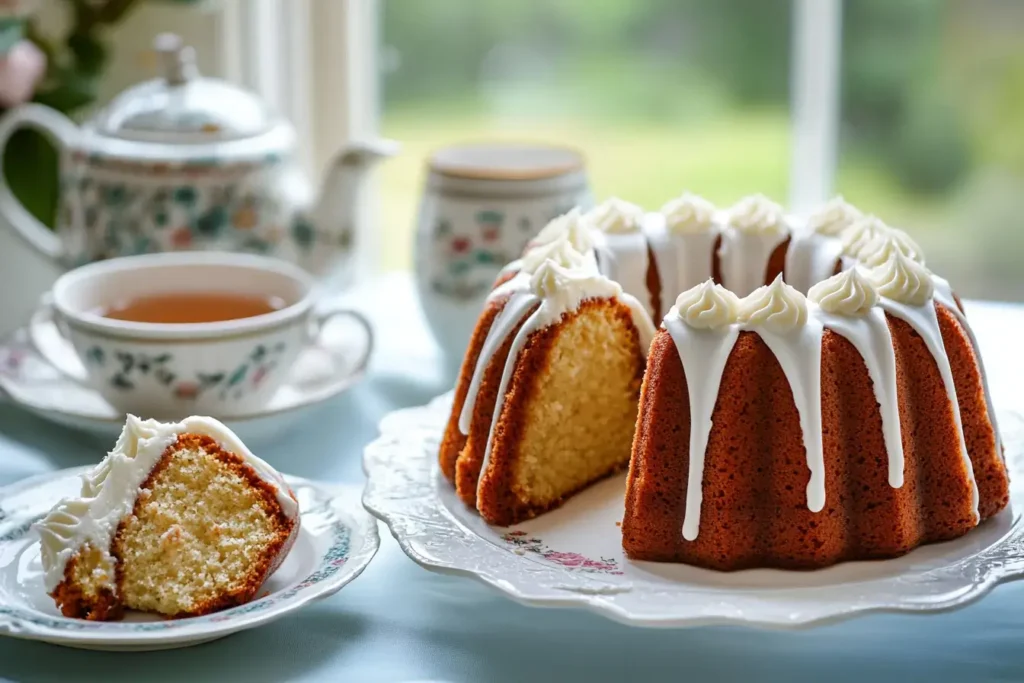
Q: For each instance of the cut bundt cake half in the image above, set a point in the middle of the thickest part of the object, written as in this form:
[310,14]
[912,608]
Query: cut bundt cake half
[179,519]
[796,432]
[546,400]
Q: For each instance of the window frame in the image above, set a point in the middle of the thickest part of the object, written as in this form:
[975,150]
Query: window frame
[316,61]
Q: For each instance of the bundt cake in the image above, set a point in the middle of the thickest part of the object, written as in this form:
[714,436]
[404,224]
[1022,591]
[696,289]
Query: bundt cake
[546,398]
[838,403]
[178,519]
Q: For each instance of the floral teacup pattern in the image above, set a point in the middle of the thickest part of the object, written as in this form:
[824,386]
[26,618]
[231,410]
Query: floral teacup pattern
[224,369]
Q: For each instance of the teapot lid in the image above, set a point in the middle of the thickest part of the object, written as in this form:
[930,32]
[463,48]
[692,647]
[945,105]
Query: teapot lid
[182,106]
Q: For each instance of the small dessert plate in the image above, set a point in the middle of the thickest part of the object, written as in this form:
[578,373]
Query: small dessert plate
[336,542]
[573,557]
[322,371]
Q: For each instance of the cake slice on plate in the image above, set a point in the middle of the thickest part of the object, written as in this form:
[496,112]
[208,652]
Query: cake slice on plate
[180,519]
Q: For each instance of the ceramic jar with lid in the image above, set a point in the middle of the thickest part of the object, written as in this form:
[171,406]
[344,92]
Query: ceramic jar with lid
[481,205]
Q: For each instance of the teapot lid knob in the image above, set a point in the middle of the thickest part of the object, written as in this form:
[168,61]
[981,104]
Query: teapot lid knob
[178,60]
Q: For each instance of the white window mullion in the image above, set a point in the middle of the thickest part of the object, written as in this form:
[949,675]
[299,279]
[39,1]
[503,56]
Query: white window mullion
[815,76]
[314,61]
[345,96]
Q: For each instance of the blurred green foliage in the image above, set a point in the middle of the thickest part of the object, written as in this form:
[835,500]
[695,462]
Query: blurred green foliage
[673,60]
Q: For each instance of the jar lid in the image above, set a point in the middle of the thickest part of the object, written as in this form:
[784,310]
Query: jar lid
[182,106]
[505,161]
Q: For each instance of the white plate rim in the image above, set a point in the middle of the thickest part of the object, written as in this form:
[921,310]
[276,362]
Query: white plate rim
[362,543]
[401,470]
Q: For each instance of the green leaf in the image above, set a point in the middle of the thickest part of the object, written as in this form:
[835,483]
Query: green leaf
[30,165]
[72,93]
[91,55]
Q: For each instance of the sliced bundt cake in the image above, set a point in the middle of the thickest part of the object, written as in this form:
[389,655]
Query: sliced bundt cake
[837,411]
[179,519]
[546,399]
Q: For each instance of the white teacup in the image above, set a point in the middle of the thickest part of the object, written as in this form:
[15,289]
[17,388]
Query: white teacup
[171,370]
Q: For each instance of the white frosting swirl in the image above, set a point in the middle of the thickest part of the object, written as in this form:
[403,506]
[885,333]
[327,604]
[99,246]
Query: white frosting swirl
[553,281]
[903,279]
[881,248]
[757,214]
[777,307]
[560,251]
[689,214]
[848,294]
[570,226]
[614,215]
[707,306]
[861,233]
[833,217]
[109,490]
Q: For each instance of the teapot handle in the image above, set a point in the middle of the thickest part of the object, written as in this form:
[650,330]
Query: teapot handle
[62,132]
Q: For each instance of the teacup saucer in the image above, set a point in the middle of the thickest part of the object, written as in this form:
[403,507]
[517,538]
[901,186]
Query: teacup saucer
[322,371]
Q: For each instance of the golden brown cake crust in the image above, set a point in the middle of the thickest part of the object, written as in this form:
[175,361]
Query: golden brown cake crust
[754,511]
[74,603]
[454,440]
[471,458]
[498,502]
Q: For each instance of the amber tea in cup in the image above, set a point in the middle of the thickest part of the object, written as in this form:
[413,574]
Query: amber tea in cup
[191,307]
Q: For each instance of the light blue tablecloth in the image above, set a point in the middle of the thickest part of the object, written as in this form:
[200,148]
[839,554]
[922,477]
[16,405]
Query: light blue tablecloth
[398,622]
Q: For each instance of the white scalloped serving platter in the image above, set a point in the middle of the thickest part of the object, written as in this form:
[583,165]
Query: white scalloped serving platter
[335,543]
[572,557]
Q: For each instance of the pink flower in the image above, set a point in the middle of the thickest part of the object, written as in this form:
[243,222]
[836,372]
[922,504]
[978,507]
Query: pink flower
[181,237]
[21,69]
[186,390]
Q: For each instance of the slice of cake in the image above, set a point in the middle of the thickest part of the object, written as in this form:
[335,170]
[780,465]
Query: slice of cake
[179,519]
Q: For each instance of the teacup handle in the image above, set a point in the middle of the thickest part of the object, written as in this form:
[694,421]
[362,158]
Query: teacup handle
[45,317]
[321,318]
[63,133]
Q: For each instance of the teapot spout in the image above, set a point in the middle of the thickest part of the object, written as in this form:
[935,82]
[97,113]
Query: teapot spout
[335,210]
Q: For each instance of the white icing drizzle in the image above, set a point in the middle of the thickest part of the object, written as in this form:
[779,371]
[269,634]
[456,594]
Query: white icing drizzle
[702,327]
[109,490]
[778,314]
[623,257]
[558,291]
[756,228]
[684,259]
[520,301]
[811,258]
[925,321]
[744,259]
[847,306]
[944,295]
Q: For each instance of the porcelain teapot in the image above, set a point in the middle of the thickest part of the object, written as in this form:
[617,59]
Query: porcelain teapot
[187,162]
